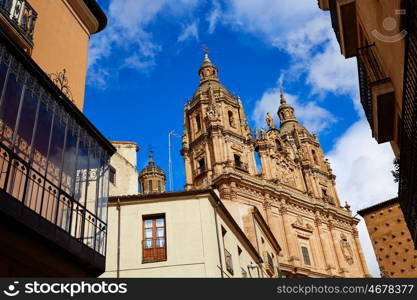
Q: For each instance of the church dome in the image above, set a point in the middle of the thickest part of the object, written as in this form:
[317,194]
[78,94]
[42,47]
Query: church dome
[152,178]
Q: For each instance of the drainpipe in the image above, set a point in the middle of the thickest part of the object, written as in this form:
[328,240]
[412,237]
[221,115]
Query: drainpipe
[218,239]
[118,237]
[257,246]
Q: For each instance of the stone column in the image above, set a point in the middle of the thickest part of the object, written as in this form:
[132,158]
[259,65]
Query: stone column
[362,262]
[327,266]
[334,245]
[188,173]
[290,239]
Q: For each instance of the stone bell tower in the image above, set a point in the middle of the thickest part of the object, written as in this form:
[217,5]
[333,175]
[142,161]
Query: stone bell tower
[152,178]
[295,190]
[217,137]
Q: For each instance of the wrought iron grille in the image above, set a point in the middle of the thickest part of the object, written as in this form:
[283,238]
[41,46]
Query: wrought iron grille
[21,15]
[370,73]
[408,161]
[49,162]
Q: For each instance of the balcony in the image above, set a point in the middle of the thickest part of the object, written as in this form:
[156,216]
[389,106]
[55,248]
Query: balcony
[54,168]
[408,163]
[377,94]
[343,16]
[22,18]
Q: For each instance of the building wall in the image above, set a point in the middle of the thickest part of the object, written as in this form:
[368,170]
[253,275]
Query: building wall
[124,162]
[392,242]
[192,249]
[391,53]
[61,42]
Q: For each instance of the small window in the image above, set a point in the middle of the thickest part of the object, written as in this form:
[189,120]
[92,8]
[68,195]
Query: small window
[306,255]
[237,160]
[150,186]
[112,175]
[159,186]
[198,122]
[202,165]
[314,156]
[154,239]
[231,119]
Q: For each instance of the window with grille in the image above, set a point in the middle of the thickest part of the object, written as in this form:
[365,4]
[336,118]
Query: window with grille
[306,255]
[154,239]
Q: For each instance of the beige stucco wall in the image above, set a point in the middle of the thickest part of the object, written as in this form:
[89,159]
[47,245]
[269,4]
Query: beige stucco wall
[125,162]
[61,42]
[192,249]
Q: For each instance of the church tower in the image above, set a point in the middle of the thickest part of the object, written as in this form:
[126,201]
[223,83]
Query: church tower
[152,178]
[294,190]
[217,137]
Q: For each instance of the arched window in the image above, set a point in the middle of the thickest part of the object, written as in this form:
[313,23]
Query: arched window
[198,122]
[314,156]
[231,119]
[150,185]
[159,186]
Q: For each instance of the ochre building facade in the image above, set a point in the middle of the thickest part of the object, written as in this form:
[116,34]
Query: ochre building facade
[294,191]
[391,239]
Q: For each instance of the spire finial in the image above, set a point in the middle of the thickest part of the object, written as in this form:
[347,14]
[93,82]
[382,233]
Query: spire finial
[283,100]
[150,155]
[206,52]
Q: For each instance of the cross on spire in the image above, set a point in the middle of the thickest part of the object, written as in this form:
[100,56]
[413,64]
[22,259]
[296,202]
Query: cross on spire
[205,49]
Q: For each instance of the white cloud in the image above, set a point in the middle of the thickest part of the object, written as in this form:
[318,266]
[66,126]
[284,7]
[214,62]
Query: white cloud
[127,31]
[189,32]
[214,16]
[363,175]
[312,116]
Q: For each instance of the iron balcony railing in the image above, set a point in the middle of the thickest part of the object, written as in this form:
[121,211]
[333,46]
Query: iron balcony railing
[53,162]
[229,261]
[370,73]
[408,161]
[21,15]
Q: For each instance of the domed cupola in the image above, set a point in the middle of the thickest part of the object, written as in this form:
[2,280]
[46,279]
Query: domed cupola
[208,72]
[152,178]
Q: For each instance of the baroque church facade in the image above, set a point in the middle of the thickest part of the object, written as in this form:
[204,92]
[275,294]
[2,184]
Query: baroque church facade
[294,191]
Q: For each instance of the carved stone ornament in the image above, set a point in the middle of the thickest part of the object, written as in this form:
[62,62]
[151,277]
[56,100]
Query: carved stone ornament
[346,249]
[270,121]
[299,224]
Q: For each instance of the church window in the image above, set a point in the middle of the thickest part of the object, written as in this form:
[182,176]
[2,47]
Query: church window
[231,119]
[202,165]
[198,122]
[306,255]
[314,156]
[237,160]
[159,186]
[154,238]
[112,175]
[150,185]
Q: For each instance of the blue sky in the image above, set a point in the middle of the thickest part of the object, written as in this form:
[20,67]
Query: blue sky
[143,68]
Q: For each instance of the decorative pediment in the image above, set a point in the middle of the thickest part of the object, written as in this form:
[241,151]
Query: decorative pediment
[299,224]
